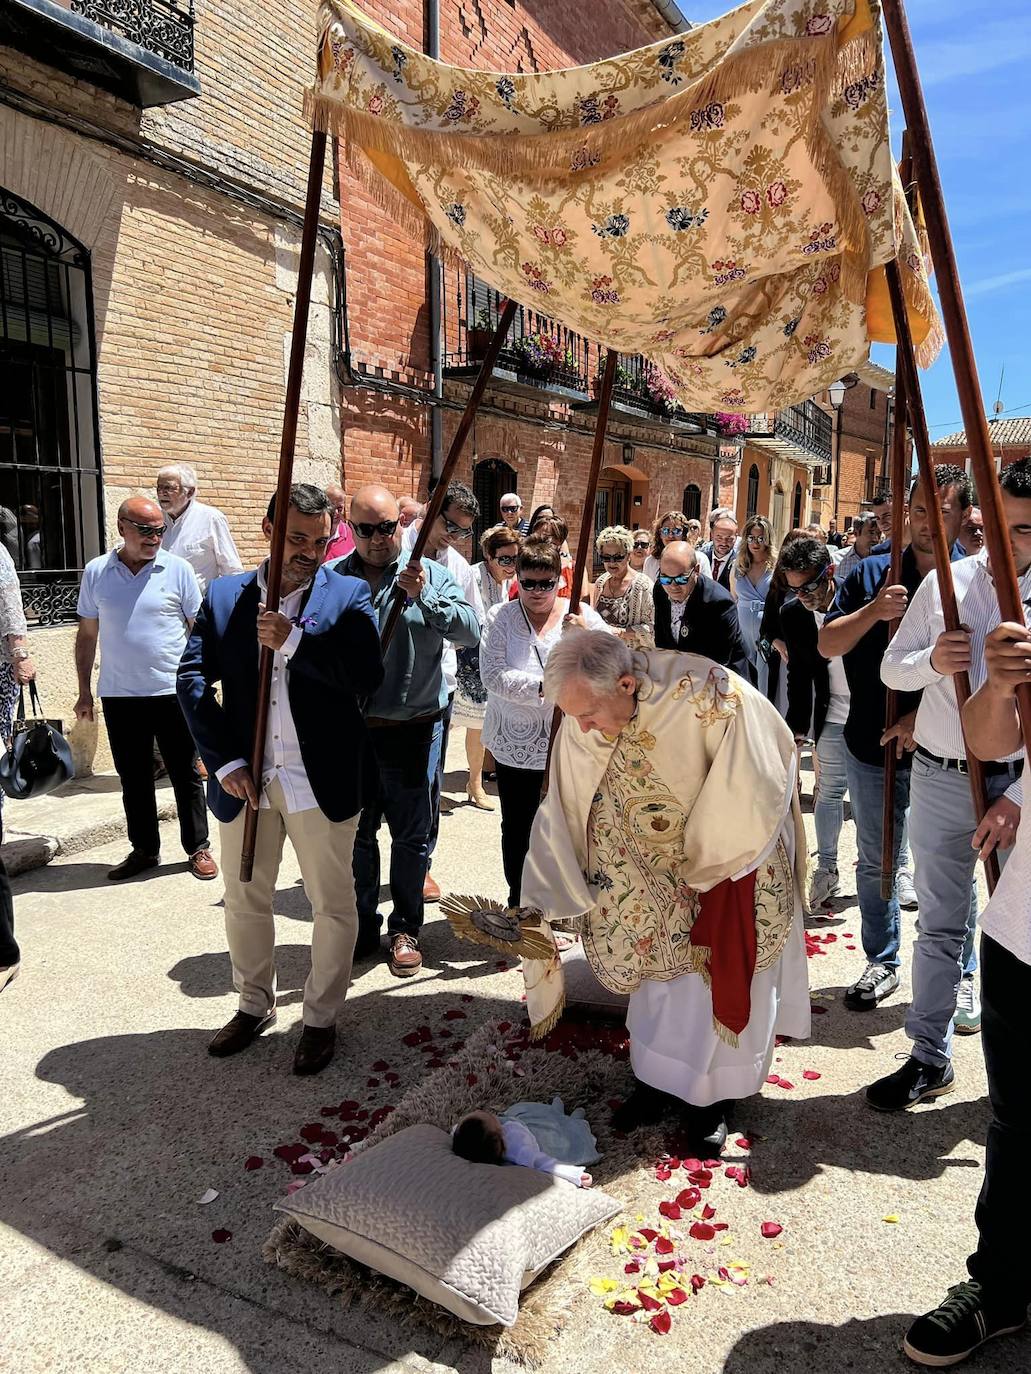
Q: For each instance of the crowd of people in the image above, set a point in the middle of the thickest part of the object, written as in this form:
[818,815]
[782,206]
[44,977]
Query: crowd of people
[778,651]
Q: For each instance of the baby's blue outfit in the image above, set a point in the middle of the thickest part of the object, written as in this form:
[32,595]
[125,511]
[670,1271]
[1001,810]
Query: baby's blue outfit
[567,1138]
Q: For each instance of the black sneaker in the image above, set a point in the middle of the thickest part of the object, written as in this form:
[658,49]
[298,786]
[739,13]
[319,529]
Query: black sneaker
[877,983]
[914,1082]
[957,1326]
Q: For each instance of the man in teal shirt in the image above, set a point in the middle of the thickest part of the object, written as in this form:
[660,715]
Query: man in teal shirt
[401,716]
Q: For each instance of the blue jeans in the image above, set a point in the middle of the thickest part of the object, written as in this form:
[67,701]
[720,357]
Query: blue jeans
[881,919]
[403,801]
[941,826]
[435,773]
[829,805]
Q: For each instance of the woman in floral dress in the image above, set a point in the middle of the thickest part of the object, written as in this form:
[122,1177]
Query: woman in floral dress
[622,597]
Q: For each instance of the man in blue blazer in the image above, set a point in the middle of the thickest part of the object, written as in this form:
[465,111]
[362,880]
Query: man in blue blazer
[326,658]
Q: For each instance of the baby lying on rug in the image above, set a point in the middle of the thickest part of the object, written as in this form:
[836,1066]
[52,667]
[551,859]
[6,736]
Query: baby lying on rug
[533,1134]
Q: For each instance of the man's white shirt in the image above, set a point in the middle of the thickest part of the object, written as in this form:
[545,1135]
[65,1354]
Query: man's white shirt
[201,535]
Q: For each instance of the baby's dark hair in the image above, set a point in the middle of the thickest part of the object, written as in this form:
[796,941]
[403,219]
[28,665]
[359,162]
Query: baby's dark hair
[475,1139]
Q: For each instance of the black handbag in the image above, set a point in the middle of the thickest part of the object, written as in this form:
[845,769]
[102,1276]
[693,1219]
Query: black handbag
[39,758]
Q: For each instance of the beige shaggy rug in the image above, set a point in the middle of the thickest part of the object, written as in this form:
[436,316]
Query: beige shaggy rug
[584,1064]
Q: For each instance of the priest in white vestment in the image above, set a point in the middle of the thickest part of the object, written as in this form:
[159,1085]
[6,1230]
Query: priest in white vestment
[671,833]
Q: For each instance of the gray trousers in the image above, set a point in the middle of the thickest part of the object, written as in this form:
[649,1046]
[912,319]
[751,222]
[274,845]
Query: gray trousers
[941,826]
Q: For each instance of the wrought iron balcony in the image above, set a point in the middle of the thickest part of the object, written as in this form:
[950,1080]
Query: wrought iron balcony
[141,50]
[640,391]
[800,432]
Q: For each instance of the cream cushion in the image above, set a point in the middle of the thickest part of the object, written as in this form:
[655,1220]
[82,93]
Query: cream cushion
[582,987]
[470,1237]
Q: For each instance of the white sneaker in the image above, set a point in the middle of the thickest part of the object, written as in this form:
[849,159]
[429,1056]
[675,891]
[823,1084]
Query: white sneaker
[824,886]
[8,975]
[967,1018]
[906,891]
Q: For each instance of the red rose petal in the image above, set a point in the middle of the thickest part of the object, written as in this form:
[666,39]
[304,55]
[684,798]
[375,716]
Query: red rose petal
[731,1171]
[648,1234]
[676,1297]
[290,1153]
[721,1226]
[624,1309]
[743,1177]
[708,1212]
[785,1084]
[329,1138]
[504,1026]
[690,1165]
[634,1267]
[649,1303]
[299,1168]
[363,1115]
[329,1111]
[669,1210]
[666,1265]
[818,1011]
[471,1079]
[380,1066]
[712,1164]
[773,1078]
[664,1246]
[701,1230]
[453,1014]
[697,1282]
[770,1229]
[689,1198]
[254,1162]
[221,1236]
[661,1323]
[743,1143]
[662,1175]
[811,1074]
[372,1082]
[467,997]
[312,1132]
[673,1163]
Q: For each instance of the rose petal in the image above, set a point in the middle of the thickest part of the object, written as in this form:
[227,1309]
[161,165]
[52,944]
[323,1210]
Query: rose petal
[708,1212]
[312,1133]
[676,1297]
[454,1014]
[666,1265]
[300,1168]
[811,1074]
[689,1198]
[623,1309]
[819,1011]
[329,1111]
[380,1066]
[467,997]
[209,1195]
[770,1229]
[648,1234]
[785,1084]
[649,1303]
[372,1082]
[701,1230]
[253,1162]
[634,1267]
[697,1282]
[221,1236]
[471,1079]
[290,1153]
[773,1078]
[662,1175]
[669,1210]
[664,1246]
[743,1143]
[661,1323]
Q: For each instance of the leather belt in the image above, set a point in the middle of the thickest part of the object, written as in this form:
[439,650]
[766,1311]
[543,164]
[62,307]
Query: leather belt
[991,770]
[383,723]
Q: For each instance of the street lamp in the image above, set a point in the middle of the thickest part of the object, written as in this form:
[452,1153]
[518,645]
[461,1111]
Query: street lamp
[836,392]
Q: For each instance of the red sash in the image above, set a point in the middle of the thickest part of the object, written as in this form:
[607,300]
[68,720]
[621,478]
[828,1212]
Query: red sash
[725,929]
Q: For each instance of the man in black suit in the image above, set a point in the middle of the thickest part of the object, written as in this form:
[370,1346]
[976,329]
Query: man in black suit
[721,550]
[694,614]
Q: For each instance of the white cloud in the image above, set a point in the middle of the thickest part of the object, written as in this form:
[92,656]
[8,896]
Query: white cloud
[986,284]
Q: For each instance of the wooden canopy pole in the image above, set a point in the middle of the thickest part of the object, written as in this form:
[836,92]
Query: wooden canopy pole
[942,556]
[465,424]
[957,329]
[291,408]
[586,539]
[899,485]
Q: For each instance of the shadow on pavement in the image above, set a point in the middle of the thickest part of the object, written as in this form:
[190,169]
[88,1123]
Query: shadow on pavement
[67,878]
[112,1186]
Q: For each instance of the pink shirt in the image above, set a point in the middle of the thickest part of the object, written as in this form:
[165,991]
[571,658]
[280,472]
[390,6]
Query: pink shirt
[342,542]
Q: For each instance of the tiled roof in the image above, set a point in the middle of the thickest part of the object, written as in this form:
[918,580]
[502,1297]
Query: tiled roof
[1008,432]
[876,376]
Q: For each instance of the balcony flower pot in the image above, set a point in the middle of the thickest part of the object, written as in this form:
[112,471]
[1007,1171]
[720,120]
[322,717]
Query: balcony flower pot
[477,343]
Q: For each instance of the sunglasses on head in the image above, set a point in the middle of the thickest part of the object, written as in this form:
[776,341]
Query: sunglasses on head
[546,586]
[671,529]
[614,557]
[507,560]
[145,530]
[455,530]
[681,579]
[365,529]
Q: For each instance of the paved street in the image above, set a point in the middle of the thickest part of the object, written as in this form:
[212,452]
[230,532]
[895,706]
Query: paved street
[114,1122]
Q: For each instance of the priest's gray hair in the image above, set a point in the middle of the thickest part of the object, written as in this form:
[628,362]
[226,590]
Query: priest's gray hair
[183,474]
[596,657]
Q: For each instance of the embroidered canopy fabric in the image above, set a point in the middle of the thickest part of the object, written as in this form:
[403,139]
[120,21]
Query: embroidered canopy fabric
[722,202]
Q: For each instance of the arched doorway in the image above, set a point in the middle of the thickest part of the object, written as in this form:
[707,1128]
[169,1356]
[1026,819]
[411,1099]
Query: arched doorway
[796,507]
[777,514]
[692,506]
[492,477]
[752,497]
[611,506]
[50,489]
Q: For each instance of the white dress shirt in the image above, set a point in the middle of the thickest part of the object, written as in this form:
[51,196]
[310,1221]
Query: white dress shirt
[906,665]
[461,570]
[1007,917]
[200,534]
[282,749]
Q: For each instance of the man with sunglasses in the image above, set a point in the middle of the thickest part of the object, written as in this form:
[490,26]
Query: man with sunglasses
[448,543]
[403,716]
[139,603]
[694,614]
[511,508]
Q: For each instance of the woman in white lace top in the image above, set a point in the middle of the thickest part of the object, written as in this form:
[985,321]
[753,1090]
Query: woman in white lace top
[513,651]
[16,670]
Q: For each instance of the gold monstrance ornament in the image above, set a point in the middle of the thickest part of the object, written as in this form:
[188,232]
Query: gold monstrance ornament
[513,930]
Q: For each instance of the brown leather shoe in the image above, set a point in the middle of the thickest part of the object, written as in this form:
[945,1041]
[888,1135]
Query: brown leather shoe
[238,1033]
[314,1049]
[129,868]
[203,866]
[430,890]
[405,959]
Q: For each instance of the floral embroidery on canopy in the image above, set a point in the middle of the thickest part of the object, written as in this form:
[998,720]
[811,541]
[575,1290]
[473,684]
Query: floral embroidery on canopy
[723,202]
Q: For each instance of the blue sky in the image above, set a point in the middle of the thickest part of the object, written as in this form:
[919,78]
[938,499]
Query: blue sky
[975,64]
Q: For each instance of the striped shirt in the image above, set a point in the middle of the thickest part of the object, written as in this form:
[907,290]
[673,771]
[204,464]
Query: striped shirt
[906,665]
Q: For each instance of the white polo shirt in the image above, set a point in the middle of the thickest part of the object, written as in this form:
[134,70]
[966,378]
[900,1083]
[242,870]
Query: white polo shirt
[201,536]
[144,621]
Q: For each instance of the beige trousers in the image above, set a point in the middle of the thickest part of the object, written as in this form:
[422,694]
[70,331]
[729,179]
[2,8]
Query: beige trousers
[323,850]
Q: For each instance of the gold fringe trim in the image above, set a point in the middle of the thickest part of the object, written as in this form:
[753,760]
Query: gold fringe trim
[545,1027]
[736,74]
[725,1034]
[859,57]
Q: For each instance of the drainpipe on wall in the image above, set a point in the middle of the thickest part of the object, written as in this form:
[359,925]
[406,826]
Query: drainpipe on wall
[671,13]
[434,293]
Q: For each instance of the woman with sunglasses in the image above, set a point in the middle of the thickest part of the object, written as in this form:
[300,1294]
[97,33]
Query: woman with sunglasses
[622,597]
[750,579]
[671,528]
[517,726]
[641,549]
[495,575]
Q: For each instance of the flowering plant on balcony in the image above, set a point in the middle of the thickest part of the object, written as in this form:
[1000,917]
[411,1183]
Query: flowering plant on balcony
[540,354]
[732,426]
[660,390]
